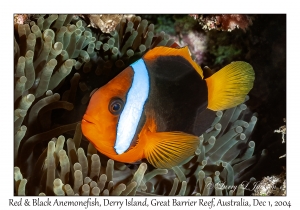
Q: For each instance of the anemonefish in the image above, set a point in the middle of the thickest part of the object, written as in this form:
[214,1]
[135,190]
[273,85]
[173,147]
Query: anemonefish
[158,106]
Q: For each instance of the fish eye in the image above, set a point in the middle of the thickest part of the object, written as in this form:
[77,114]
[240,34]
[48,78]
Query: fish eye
[115,106]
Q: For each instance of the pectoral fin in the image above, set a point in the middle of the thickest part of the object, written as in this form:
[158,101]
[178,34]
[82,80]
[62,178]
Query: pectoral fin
[168,149]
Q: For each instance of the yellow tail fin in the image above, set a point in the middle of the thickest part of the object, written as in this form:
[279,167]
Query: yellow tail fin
[229,86]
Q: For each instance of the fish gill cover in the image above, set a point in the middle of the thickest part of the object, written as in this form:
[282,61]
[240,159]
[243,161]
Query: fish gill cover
[60,59]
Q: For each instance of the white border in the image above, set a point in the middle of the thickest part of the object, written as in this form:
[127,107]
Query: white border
[186,6]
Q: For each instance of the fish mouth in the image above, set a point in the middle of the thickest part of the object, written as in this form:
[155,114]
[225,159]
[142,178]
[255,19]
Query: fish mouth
[84,120]
[88,119]
[89,124]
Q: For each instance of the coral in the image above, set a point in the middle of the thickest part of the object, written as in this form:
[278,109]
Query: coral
[196,41]
[282,130]
[271,185]
[107,22]
[223,47]
[184,30]
[224,22]
[59,61]
[20,19]
[172,24]
[165,23]
[225,53]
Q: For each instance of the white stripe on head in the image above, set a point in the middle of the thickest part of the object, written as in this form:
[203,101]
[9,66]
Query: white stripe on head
[133,109]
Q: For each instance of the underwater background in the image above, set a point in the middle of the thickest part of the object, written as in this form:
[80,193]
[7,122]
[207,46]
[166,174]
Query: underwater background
[71,55]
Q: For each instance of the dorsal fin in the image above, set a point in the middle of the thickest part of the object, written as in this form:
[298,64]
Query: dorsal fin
[228,87]
[167,51]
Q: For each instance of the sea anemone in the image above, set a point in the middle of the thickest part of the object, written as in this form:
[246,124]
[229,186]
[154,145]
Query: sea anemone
[59,61]
[224,154]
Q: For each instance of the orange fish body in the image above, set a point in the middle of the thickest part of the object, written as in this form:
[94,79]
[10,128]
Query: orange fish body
[157,107]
